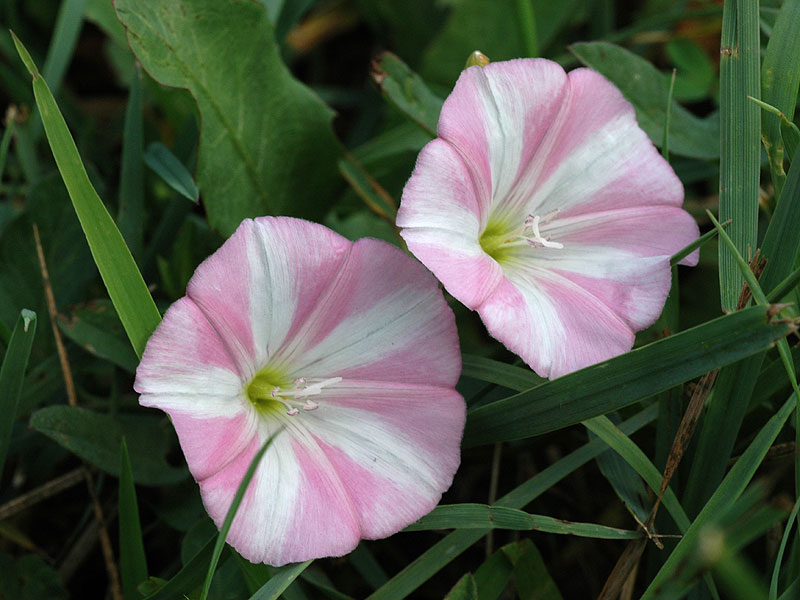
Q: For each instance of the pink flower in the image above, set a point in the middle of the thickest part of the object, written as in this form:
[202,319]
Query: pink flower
[350,348]
[545,208]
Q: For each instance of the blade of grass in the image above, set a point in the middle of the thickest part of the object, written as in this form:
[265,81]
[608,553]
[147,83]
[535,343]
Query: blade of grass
[125,285]
[527,25]
[773,584]
[12,375]
[667,112]
[780,77]
[698,243]
[740,139]
[229,516]
[280,580]
[8,132]
[482,516]
[440,554]
[785,287]
[618,382]
[159,158]
[726,495]
[132,558]
[188,578]
[130,217]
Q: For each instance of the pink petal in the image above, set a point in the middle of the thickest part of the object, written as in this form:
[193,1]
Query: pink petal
[552,324]
[395,448]
[442,220]
[368,324]
[496,117]
[262,282]
[185,355]
[596,158]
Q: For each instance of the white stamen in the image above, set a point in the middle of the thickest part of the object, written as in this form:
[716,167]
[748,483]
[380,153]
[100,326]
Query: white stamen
[310,405]
[532,224]
[275,391]
[292,412]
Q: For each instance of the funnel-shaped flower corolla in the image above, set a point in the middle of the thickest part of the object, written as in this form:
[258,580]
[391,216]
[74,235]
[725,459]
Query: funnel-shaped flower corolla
[349,349]
[543,206]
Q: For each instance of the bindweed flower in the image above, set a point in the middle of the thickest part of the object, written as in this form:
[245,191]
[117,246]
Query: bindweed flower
[545,208]
[349,349]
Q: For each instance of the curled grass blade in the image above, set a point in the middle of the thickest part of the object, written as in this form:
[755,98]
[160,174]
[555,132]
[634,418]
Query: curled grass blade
[773,585]
[125,285]
[12,375]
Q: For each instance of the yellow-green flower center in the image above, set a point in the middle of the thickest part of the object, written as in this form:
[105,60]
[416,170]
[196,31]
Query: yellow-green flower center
[273,392]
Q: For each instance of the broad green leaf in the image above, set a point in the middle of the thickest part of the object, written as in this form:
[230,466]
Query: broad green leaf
[464,589]
[695,71]
[96,438]
[726,495]
[618,382]
[407,91]
[266,144]
[440,554]
[648,90]
[96,327]
[30,577]
[132,559]
[12,375]
[481,516]
[780,77]
[159,158]
[740,141]
[125,285]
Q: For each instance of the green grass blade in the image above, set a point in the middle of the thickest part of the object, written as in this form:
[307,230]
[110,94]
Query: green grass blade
[527,23]
[493,371]
[280,580]
[618,382]
[780,77]
[130,217]
[159,158]
[12,375]
[4,144]
[368,566]
[782,239]
[726,495]
[132,559]
[464,589]
[698,243]
[740,150]
[229,516]
[603,428]
[791,138]
[65,37]
[125,285]
[773,585]
[367,188]
[481,516]
[188,578]
[440,554]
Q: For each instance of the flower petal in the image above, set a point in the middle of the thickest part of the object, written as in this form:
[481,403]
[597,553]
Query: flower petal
[185,355]
[262,281]
[497,116]
[553,324]
[367,324]
[595,157]
[395,447]
[442,222]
